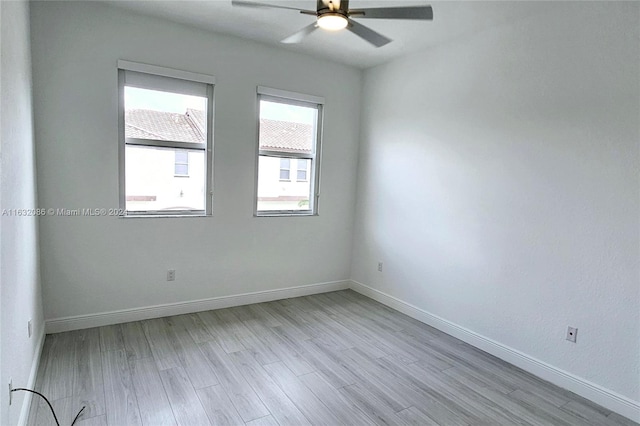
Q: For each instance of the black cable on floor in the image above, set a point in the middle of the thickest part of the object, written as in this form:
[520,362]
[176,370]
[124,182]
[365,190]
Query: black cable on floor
[50,406]
[77,415]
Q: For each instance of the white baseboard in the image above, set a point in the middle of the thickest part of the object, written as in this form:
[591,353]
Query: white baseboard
[79,322]
[33,374]
[594,392]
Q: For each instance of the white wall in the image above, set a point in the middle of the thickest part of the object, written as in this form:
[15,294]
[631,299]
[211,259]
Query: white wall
[20,298]
[92,265]
[498,183]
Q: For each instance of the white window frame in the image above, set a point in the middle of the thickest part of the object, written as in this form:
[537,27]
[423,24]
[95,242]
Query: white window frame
[299,99]
[166,79]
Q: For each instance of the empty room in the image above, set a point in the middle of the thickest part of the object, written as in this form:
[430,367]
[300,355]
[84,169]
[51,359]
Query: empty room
[320,212]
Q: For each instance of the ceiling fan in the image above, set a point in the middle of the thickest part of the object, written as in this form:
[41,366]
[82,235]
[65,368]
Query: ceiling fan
[334,15]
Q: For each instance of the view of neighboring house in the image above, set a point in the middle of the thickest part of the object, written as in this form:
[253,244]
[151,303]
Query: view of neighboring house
[284,183]
[161,178]
[173,179]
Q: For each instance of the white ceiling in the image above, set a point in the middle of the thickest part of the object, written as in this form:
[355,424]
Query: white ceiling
[452,20]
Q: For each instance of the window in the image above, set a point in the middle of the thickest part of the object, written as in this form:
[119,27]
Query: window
[301,175]
[289,135]
[285,169]
[166,138]
[181,164]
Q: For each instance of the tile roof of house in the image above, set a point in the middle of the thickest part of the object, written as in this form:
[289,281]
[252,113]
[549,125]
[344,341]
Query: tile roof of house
[164,126]
[190,127]
[285,135]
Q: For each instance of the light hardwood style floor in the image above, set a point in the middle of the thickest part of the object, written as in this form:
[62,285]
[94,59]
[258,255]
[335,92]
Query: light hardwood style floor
[330,359]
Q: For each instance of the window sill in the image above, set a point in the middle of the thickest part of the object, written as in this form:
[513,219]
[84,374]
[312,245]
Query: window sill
[162,216]
[285,214]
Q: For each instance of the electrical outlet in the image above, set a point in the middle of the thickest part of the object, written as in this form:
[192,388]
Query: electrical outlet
[30,328]
[171,275]
[10,389]
[572,334]
[379,266]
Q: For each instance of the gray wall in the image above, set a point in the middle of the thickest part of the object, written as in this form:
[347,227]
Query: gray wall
[92,265]
[498,183]
[20,298]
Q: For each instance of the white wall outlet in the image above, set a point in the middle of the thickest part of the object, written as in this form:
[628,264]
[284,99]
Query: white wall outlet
[572,334]
[30,328]
[10,389]
[379,266]
[171,275]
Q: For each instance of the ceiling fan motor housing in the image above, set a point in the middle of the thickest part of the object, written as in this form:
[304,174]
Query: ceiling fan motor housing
[333,7]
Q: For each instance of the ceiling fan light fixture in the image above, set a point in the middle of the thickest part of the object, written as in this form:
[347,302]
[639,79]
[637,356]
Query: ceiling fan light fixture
[332,21]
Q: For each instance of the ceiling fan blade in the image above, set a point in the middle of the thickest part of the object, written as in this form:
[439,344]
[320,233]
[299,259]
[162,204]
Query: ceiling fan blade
[297,37]
[409,12]
[377,39]
[268,6]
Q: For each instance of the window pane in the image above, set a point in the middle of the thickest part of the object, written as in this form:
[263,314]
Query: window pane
[284,174]
[287,128]
[285,163]
[274,194]
[182,157]
[303,166]
[152,114]
[182,170]
[151,183]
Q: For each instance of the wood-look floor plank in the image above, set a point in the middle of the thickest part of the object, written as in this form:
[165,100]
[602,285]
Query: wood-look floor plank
[111,338]
[196,328]
[306,401]
[501,371]
[152,399]
[65,410]
[60,366]
[618,420]
[359,328]
[93,421]
[262,352]
[284,351]
[88,385]
[396,395]
[263,421]
[346,411]
[247,403]
[218,406]
[224,336]
[313,327]
[120,399]
[480,405]
[413,416]
[442,409]
[260,313]
[280,406]
[496,396]
[374,408]
[184,402]
[328,365]
[160,343]
[193,362]
[543,409]
[135,342]
[287,326]
[587,413]
[363,313]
